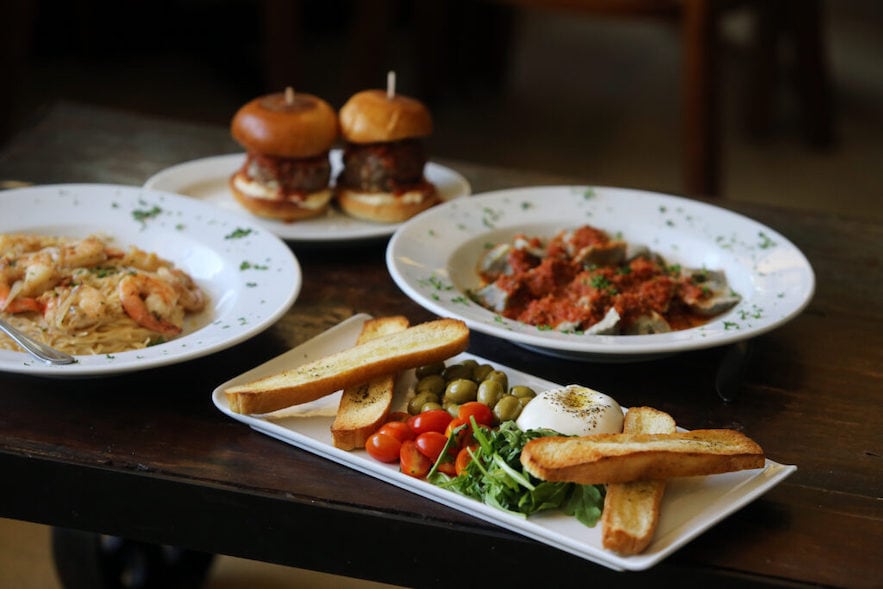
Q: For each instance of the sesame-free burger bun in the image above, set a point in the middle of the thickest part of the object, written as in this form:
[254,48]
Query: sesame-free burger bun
[371,116]
[286,124]
[286,172]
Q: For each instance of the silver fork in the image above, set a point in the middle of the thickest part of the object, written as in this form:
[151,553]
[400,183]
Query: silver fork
[40,351]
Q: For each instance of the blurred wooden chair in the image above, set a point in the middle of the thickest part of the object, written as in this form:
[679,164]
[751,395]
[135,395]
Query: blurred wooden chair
[797,22]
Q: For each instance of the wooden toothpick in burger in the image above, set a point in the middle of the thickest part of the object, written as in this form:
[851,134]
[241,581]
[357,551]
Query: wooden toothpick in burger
[390,85]
[383,178]
[287,137]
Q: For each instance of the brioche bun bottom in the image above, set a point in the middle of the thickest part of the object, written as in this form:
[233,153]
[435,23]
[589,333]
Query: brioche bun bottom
[280,209]
[383,207]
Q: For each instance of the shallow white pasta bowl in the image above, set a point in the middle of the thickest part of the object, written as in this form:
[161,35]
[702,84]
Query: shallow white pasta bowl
[251,277]
[433,259]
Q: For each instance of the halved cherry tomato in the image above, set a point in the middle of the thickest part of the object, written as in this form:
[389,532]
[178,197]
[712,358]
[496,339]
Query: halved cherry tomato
[383,447]
[431,444]
[463,459]
[482,413]
[462,429]
[434,420]
[412,461]
[448,468]
[397,429]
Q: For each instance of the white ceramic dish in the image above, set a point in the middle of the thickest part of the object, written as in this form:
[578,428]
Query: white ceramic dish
[250,275]
[207,179]
[690,506]
[433,256]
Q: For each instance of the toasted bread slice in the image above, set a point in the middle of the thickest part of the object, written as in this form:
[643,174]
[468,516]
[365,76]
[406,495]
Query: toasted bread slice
[365,406]
[623,458]
[631,510]
[425,343]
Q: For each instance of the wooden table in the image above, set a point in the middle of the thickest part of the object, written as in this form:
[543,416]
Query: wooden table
[146,456]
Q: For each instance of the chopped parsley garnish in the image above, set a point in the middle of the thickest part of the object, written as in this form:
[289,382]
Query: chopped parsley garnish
[142,215]
[246,265]
[601,282]
[238,233]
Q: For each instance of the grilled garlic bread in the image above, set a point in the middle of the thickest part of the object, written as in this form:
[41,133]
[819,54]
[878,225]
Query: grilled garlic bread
[631,510]
[623,458]
[425,343]
[364,407]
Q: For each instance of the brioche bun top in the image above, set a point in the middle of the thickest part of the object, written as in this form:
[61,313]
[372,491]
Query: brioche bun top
[286,124]
[371,116]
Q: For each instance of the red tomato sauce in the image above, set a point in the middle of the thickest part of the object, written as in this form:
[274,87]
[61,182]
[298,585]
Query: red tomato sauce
[563,286]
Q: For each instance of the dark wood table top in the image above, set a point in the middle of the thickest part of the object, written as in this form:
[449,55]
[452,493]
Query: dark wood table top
[147,456]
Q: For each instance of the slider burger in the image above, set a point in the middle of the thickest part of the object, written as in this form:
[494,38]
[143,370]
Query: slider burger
[382,178]
[286,172]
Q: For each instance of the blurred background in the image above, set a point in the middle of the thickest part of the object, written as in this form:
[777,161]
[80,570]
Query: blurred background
[590,89]
[585,89]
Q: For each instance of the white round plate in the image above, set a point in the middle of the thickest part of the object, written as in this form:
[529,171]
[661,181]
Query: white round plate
[207,179]
[251,276]
[433,257]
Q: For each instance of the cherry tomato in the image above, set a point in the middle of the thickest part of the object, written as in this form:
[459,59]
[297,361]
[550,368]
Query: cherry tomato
[434,420]
[463,460]
[412,462]
[431,444]
[482,413]
[448,468]
[464,435]
[397,429]
[383,447]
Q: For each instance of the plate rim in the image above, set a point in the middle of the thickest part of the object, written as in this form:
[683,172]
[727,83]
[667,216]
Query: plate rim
[598,348]
[179,349]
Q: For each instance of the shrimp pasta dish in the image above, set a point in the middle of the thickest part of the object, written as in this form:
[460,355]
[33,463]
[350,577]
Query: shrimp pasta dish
[84,296]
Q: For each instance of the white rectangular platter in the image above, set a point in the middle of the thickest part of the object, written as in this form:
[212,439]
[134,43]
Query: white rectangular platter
[690,506]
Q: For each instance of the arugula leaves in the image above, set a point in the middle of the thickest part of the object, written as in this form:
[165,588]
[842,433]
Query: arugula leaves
[496,477]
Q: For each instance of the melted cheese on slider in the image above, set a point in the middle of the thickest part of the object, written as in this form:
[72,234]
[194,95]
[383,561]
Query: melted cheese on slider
[270,191]
[384,198]
[573,410]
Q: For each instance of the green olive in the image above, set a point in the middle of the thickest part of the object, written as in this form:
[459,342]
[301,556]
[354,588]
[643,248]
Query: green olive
[457,371]
[452,408]
[433,383]
[430,406]
[420,399]
[499,376]
[427,369]
[481,371]
[489,392]
[471,363]
[460,391]
[522,392]
[507,408]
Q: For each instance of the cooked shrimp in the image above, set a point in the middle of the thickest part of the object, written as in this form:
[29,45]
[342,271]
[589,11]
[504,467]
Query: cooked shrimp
[147,261]
[85,252]
[10,304]
[16,244]
[40,274]
[151,303]
[190,295]
[75,307]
